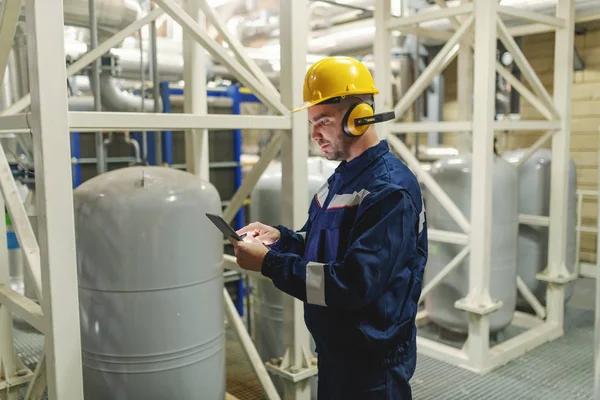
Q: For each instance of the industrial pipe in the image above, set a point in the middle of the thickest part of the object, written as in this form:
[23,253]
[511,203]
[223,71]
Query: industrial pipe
[114,99]
[95,84]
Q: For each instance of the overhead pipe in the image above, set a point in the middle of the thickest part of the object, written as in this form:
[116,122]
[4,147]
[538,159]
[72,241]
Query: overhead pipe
[111,15]
[115,99]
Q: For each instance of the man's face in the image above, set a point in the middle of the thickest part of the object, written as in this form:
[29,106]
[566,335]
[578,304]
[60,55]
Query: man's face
[326,121]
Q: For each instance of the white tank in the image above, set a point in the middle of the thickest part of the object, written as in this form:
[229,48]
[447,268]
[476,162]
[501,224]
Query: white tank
[454,176]
[265,206]
[150,286]
[534,199]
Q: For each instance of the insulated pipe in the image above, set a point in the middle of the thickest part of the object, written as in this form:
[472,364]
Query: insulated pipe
[111,15]
[114,99]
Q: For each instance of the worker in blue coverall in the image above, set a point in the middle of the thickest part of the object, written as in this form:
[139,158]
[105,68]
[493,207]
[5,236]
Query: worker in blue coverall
[358,262]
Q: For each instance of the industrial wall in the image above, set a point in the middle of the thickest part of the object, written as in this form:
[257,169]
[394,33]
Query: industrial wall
[539,50]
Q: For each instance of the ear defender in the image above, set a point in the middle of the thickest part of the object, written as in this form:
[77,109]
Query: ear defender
[358,118]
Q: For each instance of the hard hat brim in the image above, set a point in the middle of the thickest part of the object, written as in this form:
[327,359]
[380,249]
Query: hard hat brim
[303,106]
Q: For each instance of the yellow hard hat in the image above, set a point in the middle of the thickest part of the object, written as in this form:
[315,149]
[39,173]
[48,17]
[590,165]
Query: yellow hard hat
[334,77]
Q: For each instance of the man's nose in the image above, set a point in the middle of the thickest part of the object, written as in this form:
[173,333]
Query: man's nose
[315,134]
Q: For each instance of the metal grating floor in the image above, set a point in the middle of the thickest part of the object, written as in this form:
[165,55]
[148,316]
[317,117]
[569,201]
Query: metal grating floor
[560,370]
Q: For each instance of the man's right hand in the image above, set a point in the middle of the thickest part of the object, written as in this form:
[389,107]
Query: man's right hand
[265,233]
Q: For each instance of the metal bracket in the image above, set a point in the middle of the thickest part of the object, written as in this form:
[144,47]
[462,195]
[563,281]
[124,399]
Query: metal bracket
[282,366]
[564,276]
[293,374]
[22,377]
[478,304]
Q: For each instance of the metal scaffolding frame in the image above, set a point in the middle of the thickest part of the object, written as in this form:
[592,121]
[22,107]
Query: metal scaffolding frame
[51,263]
[476,97]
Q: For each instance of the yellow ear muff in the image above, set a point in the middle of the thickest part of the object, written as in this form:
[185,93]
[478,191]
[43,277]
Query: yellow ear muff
[358,110]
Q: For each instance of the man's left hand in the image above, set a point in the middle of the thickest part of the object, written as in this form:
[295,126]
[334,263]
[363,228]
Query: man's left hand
[250,253]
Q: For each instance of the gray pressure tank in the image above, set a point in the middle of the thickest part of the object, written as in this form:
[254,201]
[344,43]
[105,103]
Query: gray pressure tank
[265,206]
[534,199]
[454,176]
[150,286]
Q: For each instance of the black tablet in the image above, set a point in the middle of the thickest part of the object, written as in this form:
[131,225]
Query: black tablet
[223,226]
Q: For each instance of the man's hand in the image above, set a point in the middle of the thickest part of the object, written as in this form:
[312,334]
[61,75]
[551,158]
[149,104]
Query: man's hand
[250,253]
[265,234]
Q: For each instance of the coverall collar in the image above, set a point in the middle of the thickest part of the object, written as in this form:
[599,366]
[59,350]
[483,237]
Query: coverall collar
[349,170]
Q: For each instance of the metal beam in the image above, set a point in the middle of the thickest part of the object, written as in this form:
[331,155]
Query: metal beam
[523,91]
[83,121]
[426,16]
[531,16]
[90,56]
[455,262]
[437,65]
[526,125]
[52,156]
[268,153]
[192,28]
[534,220]
[238,49]
[27,240]
[559,171]
[455,213]
[525,67]
[195,96]
[294,28]
[22,307]
[534,147]
[481,187]
[383,59]
[8,25]
[436,235]
[444,126]
[248,346]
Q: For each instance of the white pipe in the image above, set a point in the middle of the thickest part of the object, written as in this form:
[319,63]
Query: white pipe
[111,15]
[249,348]
[114,99]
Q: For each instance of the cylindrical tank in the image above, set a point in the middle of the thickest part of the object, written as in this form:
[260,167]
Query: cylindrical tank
[150,286]
[454,176]
[265,206]
[534,199]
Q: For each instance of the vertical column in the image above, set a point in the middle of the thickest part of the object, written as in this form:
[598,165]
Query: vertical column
[382,51]
[557,272]
[481,184]
[294,154]
[597,316]
[195,101]
[7,352]
[50,128]
[167,136]
[465,88]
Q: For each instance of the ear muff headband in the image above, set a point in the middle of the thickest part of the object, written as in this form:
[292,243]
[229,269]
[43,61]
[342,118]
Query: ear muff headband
[360,115]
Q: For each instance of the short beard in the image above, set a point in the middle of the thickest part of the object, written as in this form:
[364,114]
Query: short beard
[342,153]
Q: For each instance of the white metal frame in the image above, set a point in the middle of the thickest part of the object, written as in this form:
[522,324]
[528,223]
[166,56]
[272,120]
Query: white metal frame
[52,263]
[584,269]
[477,68]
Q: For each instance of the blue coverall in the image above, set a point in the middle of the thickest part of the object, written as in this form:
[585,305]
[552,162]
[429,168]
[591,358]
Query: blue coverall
[358,264]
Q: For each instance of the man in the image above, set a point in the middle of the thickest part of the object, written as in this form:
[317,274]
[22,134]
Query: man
[358,261]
